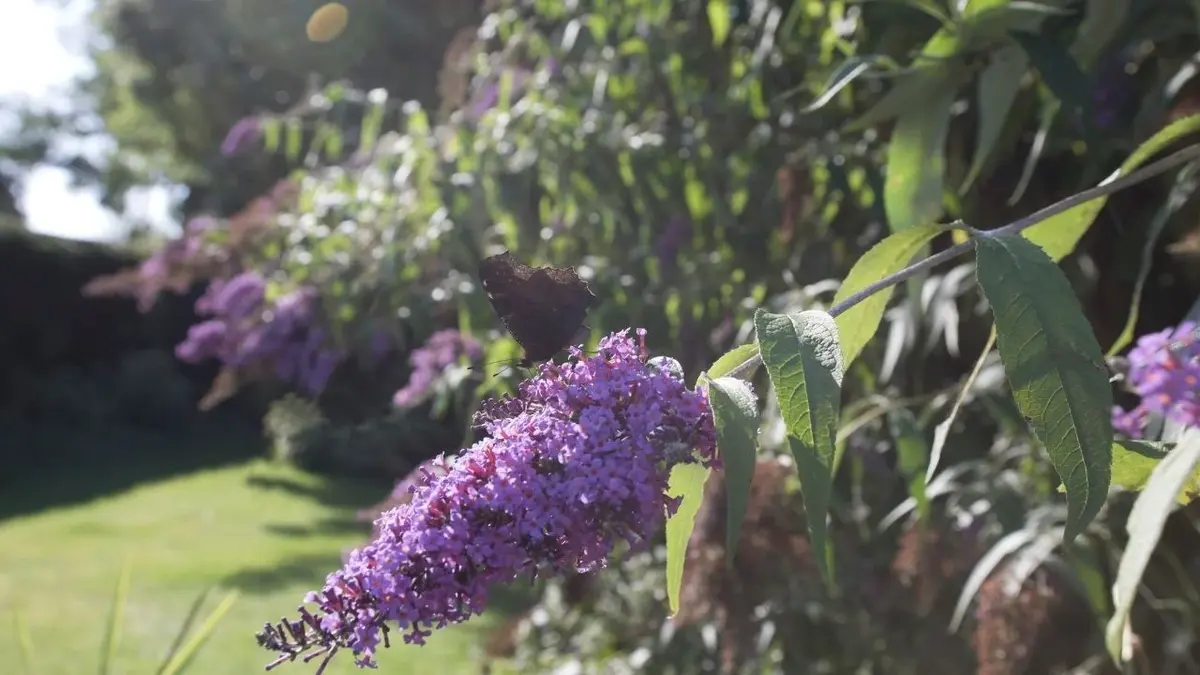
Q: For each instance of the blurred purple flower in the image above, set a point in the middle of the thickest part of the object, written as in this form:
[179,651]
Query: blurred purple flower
[1164,370]
[1112,91]
[204,340]
[244,132]
[484,100]
[429,361]
[240,296]
[554,488]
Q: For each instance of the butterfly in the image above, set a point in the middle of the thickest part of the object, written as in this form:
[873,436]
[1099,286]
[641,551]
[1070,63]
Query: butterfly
[543,308]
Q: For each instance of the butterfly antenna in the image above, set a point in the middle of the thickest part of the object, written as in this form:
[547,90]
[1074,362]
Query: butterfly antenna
[507,364]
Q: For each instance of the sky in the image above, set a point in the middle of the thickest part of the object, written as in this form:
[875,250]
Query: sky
[44,39]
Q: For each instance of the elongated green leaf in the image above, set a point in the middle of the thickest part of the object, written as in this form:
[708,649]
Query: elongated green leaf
[1179,196]
[1054,366]
[998,87]
[116,616]
[942,431]
[181,659]
[916,163]
[1102,20]
[909,91]
[858,324]
[1145,525]
[1046,117]
[24,643]
[1058,68]
[1058,235]
[846,72]
[719,20]
[971,8]
[1135,461]
[804,361]
[731,360]
[912,455]
[735,413]
[686,481]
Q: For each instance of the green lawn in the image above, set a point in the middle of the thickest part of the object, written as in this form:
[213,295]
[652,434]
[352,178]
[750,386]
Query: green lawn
[268,531]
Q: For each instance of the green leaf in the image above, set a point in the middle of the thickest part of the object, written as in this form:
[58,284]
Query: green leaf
[1135,461]
[911,91]
[719,20]
[1179,196]
[912,455]
[1145,526]
[804,361]
[294,138]
[181,659]
[858,324]
[271,131]
[998,87]
[1054,366]
[1102,20]
[731,360]
[24,642]
[1059,235]
[735,413]
[942,431]
[916,164]
[686,481]
[116,616]
[846,72]
[1058,69]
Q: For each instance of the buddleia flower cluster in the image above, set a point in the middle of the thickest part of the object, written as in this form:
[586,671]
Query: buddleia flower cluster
[572,468]
[442,350]
[1164,371]
[246,330]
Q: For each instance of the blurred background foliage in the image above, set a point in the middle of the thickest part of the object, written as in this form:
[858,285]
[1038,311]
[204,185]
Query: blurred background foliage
[694,160]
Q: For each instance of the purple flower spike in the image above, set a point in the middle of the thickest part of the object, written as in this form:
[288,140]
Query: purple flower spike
[574,466]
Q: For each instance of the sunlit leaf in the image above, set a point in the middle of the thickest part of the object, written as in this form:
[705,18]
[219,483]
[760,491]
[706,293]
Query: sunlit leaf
[804,361]
[735,413]
[1144,526]
[719,20]
[686,481]
[731,360]
[916,164]
[1054,367]
[858,325]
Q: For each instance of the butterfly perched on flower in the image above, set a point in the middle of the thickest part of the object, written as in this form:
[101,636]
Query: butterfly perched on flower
[543,308]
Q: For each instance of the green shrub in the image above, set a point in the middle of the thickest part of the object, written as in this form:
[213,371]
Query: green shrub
[385,447]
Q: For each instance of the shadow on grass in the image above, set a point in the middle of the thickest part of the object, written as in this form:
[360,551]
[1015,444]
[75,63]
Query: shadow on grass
[324,526]
[342,493]
[61,467]
[309,570]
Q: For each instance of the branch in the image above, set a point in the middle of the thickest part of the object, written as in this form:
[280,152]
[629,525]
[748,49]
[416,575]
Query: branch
[1108,187]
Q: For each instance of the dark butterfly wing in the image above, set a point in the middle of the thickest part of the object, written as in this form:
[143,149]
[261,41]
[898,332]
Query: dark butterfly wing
[543,308]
